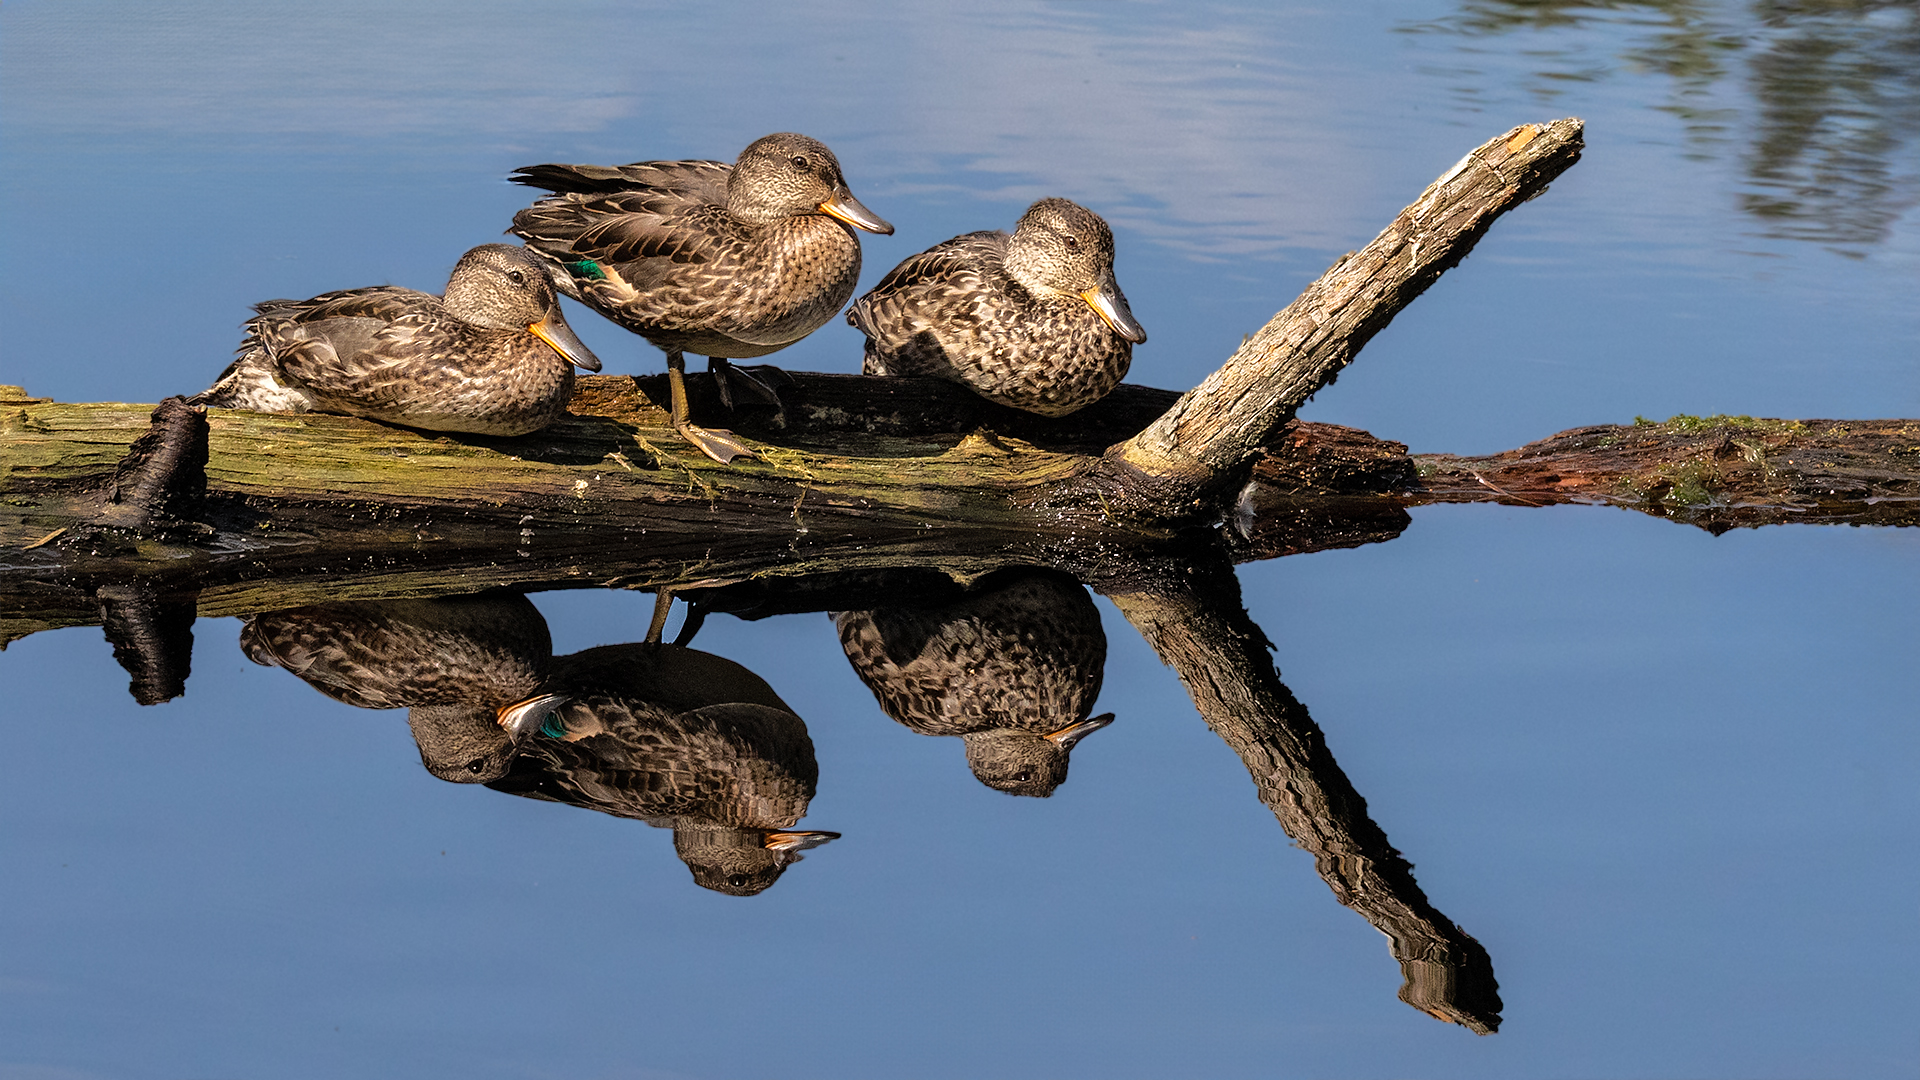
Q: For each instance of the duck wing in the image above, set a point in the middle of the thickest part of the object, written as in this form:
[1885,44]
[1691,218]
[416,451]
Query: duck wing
[704,181]
[647,257]
[955,279]
[350,346]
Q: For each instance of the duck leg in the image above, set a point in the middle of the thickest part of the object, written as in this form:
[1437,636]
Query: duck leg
[719,445]
[662,607]
[725,376]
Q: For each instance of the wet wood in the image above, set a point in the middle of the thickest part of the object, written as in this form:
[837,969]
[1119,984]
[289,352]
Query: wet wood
[291,510]
[1718,472]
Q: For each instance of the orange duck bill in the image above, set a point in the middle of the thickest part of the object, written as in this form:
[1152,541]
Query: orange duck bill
[553,330]
[844,206]
[1107,299]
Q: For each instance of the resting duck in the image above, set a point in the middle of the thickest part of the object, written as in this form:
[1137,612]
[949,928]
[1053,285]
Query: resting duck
[494,357]
[1034,320]
[728,261]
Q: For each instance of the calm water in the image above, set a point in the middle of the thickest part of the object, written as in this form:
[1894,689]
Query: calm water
[1665,778]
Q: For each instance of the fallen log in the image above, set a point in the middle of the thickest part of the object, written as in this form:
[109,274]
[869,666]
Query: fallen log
[1717,472]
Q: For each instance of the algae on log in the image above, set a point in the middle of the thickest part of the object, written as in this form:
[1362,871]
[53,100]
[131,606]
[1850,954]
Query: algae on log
[1717,472]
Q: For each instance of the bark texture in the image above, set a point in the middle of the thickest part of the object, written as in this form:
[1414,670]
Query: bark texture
[1217,428]
[1717,472]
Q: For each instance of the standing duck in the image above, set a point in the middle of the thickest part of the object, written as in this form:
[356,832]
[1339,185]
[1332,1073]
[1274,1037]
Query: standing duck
[1034,320]
[1013,669]
[730,262]
[493,357]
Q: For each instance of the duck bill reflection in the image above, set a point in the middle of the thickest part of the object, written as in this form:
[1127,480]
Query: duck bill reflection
[1107,299]
[844,207]
[1073,733]
[797,841]
[523,718]
[554,330]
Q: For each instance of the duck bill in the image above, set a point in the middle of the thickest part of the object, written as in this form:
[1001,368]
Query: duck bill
[522,718]
[1073,733]
[1107,299]
[556,333]
[797,841]
[848,209]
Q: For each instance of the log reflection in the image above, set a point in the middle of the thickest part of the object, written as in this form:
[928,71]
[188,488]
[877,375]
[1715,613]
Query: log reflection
[690,741]
[1193,617]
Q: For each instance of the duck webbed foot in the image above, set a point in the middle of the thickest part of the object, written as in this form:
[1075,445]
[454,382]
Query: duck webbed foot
[726,378]
[717,444]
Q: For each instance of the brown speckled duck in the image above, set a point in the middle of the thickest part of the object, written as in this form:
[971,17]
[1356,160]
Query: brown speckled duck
[728,261]
[1034,320]
[494,357]
[1013,669]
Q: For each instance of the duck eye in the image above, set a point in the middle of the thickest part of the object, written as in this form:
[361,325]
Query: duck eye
[799,161]
[738,881]
[1073,243]
[517,277]
[476,765]
[1023,776]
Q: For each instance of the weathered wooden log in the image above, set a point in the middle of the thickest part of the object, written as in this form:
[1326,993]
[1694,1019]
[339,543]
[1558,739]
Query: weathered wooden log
[301,509]
[1717,472]
[1205,443]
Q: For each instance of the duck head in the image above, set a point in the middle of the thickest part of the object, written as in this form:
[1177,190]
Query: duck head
[740,861]
[787,175]
[465,743]
[501,287]
[1064,248]
[1027,762]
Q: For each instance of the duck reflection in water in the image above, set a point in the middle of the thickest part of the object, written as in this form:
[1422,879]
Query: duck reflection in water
[1013,669]
[685,740]
[665,734]
[469,670]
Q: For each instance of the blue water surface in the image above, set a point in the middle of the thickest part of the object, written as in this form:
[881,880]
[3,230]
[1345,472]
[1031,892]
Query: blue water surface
[1666,778]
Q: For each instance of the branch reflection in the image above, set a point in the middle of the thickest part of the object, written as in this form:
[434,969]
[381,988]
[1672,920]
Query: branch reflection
[1191,613]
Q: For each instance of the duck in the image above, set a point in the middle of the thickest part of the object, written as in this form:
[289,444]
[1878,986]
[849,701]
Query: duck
[469,670]
[1034,320]
[1013,669]
[493,356]
[728,261]
[685,740]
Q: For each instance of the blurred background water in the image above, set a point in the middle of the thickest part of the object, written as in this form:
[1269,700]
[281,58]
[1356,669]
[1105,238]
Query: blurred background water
[1666,778]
